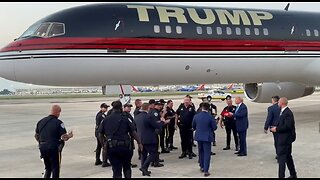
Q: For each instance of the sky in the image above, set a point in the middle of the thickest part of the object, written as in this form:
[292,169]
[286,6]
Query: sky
[16,17]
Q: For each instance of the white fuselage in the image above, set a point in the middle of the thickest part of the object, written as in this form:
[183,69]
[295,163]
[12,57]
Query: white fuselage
[142,67]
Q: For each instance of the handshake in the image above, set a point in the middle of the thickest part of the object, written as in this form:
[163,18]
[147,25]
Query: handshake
[66,137]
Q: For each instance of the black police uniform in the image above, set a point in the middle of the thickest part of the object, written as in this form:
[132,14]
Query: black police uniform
[230,124]
[99,118]
[155,116]
[186,115]
[116,129]
[170,129]
[50,129]
[130,118]
[136,111]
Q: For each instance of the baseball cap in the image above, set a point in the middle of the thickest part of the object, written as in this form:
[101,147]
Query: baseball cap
[162,101]
[127,105]
[152,101]
[104,105]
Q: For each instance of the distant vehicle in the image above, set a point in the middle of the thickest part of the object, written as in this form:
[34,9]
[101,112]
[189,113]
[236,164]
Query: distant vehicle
[214,94]
[187,89]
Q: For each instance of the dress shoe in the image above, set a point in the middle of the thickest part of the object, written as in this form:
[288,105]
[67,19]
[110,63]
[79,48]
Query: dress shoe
[206,174]
[145,172]
[212,153]
[106,164]
[134,165]
[173,147]
[98,162]
[183,155]
[242,154]
[193,154]
[158,165]
[165,151]
[161,160]
[237,152]
[226,148]
[292,176]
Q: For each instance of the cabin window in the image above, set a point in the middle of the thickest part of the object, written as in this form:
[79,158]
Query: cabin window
[316,32]
[219,30]
[156,28]
[42,30]
[308,33]
[265,32]
[199,30]
[256,31]
[209,30]
[56,29]
[238,31]
[247,31]
[168,29]
[229,31]
[179,29]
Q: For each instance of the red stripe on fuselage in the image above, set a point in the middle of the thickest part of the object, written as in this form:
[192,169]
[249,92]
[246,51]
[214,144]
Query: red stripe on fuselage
[159,44]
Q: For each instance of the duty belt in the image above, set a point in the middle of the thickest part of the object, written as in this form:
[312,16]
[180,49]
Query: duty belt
[118,143]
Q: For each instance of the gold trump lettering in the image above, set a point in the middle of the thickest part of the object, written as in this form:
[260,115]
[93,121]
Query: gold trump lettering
[225,17]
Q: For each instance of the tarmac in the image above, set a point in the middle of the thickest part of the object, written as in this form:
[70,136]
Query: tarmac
[19,154]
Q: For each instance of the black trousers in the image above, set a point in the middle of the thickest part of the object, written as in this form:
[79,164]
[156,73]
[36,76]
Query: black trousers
[52,158]
[275,138]
[232,127]
[186,136]
[148,155]
[163,135]
[104,152]
[284,157]
[170,134]
[120,159]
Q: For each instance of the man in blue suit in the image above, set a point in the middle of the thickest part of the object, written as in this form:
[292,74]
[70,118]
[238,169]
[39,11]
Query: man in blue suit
[204,125]
[242,124]
[273,119]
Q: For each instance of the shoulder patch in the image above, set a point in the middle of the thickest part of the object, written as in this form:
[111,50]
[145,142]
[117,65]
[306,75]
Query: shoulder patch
[62,125]
[155,114]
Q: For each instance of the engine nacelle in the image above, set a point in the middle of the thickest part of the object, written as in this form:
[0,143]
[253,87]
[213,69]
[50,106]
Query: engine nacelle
[263,92]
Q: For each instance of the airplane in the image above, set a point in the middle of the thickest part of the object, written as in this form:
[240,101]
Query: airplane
[272,52]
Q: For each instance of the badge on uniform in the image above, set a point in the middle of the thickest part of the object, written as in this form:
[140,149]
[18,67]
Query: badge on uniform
[62,125]
[155,114]
[189,109]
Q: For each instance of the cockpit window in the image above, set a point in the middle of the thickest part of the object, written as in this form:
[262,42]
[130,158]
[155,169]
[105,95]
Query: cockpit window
[45,30]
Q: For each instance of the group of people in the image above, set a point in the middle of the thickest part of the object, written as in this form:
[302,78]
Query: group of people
[153,126]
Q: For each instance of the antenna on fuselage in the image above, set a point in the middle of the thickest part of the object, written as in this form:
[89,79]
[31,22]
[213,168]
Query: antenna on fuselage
[287,7]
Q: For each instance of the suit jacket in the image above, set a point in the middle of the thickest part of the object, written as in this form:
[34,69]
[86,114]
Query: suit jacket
[204,125]
[241,117]
[273,116]
[286,128]
[146,127]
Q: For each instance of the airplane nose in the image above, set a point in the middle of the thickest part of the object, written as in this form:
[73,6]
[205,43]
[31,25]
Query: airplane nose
[7,70]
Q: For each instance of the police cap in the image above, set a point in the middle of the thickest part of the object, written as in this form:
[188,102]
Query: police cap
[152,101]
[104,105]
[127,105]
[162,101]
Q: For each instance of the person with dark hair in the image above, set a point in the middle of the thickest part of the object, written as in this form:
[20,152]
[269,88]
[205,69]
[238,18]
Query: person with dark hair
[171,127]
[99,118]
[204,124]
[114,131]
[272,119]
[138,104]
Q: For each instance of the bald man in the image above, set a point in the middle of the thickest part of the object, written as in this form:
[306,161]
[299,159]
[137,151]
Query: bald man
[242,124]
[51,134]
[286,136]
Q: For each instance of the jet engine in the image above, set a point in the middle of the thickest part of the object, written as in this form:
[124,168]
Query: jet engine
[262,92]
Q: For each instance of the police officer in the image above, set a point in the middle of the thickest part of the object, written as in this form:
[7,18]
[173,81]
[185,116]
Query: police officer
[99,117]
[171,127]
[185,114]
[50,133]
[126,112]
[114,130]
[229,123]
[164,132]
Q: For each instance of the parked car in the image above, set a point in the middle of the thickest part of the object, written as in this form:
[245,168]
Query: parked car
[214,94]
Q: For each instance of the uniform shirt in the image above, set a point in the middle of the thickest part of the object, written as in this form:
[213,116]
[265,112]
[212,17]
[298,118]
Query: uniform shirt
[155,117]
[99,118]
[170,113]
[109,112]
[50,130]
[136,111]
[212,109]
[130,118]
[224,113]
[116,127]
[186,114]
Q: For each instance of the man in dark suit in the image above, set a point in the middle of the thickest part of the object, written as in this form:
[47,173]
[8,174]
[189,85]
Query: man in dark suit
[242,124]
[286,136]
[273,119]
[146,127]
[204,124]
